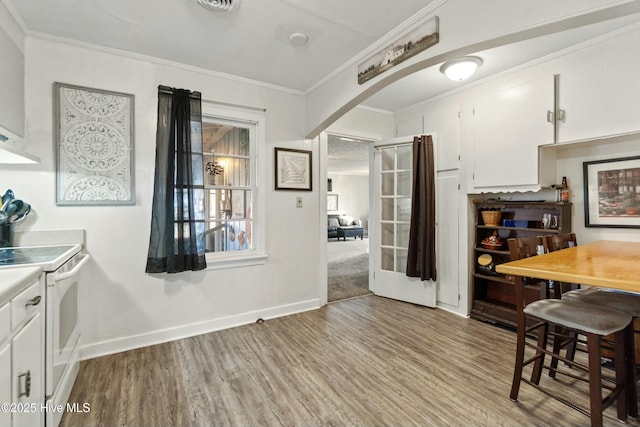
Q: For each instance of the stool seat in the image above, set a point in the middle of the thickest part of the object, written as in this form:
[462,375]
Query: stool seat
[580,316]
[624,301]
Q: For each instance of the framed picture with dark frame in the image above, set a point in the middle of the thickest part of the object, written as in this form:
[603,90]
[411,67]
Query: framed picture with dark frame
[293,169]
[612,193]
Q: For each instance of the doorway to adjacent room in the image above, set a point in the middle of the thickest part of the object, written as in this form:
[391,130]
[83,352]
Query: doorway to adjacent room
[347,210]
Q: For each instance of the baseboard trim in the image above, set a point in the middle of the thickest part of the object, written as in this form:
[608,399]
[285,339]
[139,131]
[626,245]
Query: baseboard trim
[117,345]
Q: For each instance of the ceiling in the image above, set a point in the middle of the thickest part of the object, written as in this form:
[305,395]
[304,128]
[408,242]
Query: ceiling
[347,155]
[252,41]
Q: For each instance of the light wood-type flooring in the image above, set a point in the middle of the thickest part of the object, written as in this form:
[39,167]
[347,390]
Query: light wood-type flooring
[367,361]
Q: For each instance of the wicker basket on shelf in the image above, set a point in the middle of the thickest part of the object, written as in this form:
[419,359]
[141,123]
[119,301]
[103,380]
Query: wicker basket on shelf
[491,217]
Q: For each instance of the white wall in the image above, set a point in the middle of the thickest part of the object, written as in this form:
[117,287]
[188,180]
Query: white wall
[570,163]
[353,195]
[121,306]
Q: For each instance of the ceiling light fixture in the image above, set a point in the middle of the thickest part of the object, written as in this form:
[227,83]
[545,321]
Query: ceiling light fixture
[219,5]
[461,68]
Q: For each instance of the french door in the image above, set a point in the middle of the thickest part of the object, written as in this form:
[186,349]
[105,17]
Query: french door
[392,181]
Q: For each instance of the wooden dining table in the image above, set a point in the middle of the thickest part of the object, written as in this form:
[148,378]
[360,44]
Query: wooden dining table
[605,263]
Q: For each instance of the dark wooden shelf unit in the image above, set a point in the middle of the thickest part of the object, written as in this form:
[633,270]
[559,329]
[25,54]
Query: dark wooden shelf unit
[493,293]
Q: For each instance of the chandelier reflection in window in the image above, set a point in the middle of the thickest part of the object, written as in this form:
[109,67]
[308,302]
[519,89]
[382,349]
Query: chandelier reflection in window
[215,168]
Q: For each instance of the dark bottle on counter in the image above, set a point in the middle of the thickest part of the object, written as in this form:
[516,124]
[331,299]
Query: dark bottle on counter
[564,191]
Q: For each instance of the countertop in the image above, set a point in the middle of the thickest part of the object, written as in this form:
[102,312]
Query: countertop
[15,280]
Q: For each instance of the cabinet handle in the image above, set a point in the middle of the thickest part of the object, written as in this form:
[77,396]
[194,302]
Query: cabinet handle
[560,116]
[24,384]
[33,301]
[549,116]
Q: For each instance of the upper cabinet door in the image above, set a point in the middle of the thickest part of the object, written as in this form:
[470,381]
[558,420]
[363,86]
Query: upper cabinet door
[509,126]
[445,123]
[599,90]
[11,86]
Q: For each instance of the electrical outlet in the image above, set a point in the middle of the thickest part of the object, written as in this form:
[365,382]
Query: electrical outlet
[298,202]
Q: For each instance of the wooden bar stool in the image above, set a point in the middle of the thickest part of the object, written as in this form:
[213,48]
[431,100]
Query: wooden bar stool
[594,322]
[555,315]
[551,243]
[622,301]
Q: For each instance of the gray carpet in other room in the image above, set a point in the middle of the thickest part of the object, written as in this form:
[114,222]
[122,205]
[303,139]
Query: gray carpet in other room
[348,268]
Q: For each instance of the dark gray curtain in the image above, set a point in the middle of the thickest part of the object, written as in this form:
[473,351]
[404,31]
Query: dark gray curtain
[421,257]
[177,221]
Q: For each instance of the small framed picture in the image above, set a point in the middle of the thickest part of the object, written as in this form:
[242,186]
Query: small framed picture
[292,169]
[332,202]
[612,193]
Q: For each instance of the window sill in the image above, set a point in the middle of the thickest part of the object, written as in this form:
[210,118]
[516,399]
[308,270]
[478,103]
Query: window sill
[222,261]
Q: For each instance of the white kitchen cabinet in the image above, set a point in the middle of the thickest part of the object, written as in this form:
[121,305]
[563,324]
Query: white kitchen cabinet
[599,90]
[5,383]
[22,347]
[509,127]
[27,355]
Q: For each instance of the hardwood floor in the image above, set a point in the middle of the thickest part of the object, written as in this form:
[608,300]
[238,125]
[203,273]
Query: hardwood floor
[366,361]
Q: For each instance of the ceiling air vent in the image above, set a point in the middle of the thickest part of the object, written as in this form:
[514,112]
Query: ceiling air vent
[219,5]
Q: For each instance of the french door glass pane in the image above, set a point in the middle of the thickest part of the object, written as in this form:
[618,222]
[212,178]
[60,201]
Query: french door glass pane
[403,236]
[404,184]
[388,207]
[401,260]
[405,155]
[388,184]
[386,259]
[388,234]
[388,159]
[404,209]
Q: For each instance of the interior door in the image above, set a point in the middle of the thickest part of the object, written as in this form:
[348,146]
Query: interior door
[389,232]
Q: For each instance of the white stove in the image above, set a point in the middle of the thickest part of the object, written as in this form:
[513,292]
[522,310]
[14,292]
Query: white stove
[50,258]
[62,265]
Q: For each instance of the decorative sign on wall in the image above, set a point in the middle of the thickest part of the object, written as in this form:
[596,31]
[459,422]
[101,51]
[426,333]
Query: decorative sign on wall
[94,143]
[412,43]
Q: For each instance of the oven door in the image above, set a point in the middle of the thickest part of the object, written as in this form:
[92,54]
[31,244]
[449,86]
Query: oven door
[63,328]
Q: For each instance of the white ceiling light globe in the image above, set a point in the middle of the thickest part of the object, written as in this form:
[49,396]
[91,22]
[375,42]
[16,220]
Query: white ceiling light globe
[461,68]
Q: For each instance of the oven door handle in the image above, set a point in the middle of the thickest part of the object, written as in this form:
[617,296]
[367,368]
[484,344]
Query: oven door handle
[58,277]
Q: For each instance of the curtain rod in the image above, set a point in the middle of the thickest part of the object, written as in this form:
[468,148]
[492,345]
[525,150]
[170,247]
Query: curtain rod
[230,104]
[197,95]
[392,144]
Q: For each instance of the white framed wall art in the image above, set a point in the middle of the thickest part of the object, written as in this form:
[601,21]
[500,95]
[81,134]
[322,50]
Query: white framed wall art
[94,146]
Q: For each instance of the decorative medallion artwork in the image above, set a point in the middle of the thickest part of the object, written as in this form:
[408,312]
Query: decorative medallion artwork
[94,142]
[403,48]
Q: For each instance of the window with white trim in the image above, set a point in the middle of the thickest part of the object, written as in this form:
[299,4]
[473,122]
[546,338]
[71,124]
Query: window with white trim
[229,148]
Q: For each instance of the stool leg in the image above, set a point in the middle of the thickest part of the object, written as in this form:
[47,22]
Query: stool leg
[519,363]
[630,365]
[595,380]
[621,371]
[543,334]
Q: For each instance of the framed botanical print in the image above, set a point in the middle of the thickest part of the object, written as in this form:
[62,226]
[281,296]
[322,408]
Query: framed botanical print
[292,169]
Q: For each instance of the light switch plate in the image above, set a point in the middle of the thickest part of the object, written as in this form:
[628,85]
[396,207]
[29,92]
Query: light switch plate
[298,202]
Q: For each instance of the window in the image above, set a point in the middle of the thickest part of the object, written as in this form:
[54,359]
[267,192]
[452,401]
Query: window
[230,148]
